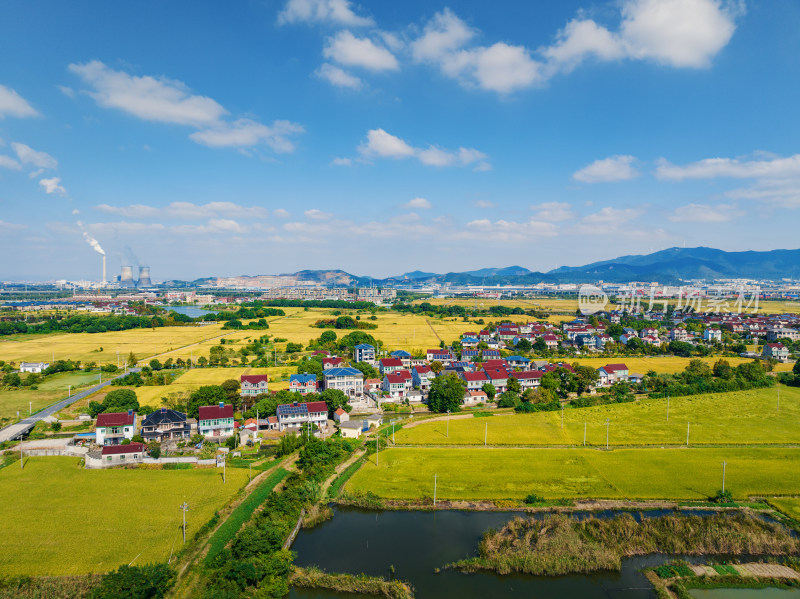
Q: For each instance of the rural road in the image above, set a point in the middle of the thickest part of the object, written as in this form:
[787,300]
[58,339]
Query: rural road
[13,431]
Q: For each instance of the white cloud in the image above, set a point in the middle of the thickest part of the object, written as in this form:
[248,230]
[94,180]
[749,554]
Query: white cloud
[67,91]
[53,186]
[483,204]
[680,33]
[216,225]
[579,39]
[417,204]
[280,213]
[614,168]
[385,145]
[6,227]
[335,12]
[315,214]
[508,231]
[607,221]
[712,168]
[28,155]
[704,213]
[553,211]
[380,144]
[125,227]
[245,133]
[187,210]
[338,77]
[342,162]
[148,98]
[12,104]
[9,162]
[347,49]
[443,35]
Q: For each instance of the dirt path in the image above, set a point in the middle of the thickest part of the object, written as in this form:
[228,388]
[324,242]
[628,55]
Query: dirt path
[146,360]
[187,579]
[341,468]
[432,329]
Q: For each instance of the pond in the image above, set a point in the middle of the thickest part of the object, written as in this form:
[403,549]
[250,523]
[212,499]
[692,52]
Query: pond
[746,593]
[190,311]
[416,543]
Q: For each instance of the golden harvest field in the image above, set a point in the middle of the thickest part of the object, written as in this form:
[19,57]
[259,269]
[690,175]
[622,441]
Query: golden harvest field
[665,364]
[76,521]
[740,417]
[494,473]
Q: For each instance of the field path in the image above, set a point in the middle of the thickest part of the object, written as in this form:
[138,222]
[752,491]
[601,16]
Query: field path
[174,349]
[432,329]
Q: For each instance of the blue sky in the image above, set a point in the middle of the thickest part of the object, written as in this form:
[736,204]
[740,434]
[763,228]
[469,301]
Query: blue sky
[381,137]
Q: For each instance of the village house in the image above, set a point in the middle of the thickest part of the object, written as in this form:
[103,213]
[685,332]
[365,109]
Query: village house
[364,352]
[341,415]
[35,367]
[469,355]
[372,385]
[421,377]
[472,398]
[165,425]
[776,351]
[497,377]
[293,416]
[439,355]
[403,356]
[712,335]
[113,427]
[518,362]
[118,455]
[474,380]
[390,365]
[215,422]
[679,334]
[348,380]
[351,430]
[331,362]
[303,383]
[394,385]
[253,385]
[612,373]
[529,379]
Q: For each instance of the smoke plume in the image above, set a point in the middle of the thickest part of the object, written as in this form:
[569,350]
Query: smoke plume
[91,241]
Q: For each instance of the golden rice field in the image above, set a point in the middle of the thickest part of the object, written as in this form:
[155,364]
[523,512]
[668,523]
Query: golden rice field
[85,346]
[494,473]
[75,521]
[788,505]
[740,417]
[197,377]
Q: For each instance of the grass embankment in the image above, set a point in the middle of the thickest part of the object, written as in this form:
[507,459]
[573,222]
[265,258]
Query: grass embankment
[76,521]
[314,578]
[336,487]
[225,533]
[496,473]
[737,418]
[558,545]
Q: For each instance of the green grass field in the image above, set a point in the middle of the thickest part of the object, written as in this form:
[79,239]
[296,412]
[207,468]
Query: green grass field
[60,519]
[496,473]
[55,387]
[744,417]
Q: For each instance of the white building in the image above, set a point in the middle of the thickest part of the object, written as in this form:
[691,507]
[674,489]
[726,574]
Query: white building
[36,367]
[113,427]
[292,416]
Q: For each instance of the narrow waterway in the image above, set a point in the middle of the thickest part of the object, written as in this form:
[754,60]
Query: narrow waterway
[416,543]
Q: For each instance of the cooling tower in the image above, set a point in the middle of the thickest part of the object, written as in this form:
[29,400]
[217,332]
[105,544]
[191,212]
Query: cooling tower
[126,279]
[144,277]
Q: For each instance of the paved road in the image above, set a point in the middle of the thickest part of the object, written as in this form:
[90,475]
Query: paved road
[21,428]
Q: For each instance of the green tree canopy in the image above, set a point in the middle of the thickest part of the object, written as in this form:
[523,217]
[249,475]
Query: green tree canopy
[446,393]
[208,395]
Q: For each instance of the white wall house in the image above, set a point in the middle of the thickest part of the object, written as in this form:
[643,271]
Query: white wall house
[113,427]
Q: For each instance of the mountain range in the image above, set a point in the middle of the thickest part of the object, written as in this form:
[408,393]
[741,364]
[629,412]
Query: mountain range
[670,267]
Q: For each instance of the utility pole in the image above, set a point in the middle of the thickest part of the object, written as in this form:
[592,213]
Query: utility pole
[562,415]
[30,408]
[687,433]
[377,447]
[184,507]
[485,434]
[667,408]
[448,424]
[779,399]
[584,434]
[117,359]
[607,422]
[224,462]
[20,455]
[434,489]
[392,432]
[723,475]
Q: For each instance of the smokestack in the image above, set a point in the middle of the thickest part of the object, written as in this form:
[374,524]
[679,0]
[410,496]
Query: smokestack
[144,277]
[104,270]
[126,279]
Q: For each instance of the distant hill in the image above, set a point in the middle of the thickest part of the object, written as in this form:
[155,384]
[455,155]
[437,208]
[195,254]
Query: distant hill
[670,267]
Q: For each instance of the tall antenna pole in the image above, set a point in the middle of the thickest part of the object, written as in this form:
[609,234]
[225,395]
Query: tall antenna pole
[723,475]
[607,421]
[687,433]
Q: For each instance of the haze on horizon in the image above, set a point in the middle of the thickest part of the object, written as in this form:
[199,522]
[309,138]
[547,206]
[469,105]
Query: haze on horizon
[380,138]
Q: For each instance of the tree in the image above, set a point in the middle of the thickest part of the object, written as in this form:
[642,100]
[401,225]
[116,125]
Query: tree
[335,399]
[722,369]
[513,385]
[524,345]
[208,395]
[232,396]
[311,366]
[154,449]
[697,369]
[369,371]
[437,366]
[12,379]
[202,361]
[120,400]
[155,364]
[151,581]
[540,346]
[796,368]
[446,394]
[132,360]
[751,371]
[508,399]
[585,377]
[327,337]
[490,391]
